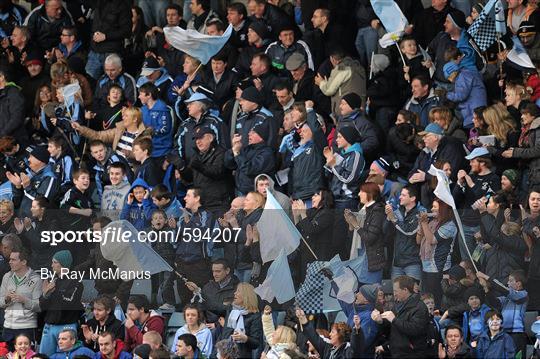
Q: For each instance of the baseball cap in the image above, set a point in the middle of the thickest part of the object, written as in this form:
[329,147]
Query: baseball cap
[432,128]
[197,96]
[150,65]
[478,152]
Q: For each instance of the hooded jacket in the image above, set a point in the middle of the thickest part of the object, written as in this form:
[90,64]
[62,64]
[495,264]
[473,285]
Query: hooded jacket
[252,161]
[283,200]
[77,349]
[138,214]
[214,296]
[114,199]
[160,119]
[21,315]
[112,325]
[203,335]
[259,117]
[469,93]
[119,352]
[476,318]
[134,335]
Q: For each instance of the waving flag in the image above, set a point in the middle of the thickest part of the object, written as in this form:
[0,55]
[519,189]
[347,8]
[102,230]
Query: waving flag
[486,26]
[392,19]
[121,246]
[278,283]
[195,44]
[442,191]
[518,56]
[390,15]
[276,231]
[314,295]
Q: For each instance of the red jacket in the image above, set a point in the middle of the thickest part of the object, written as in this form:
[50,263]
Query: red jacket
[134,335]
[119,353]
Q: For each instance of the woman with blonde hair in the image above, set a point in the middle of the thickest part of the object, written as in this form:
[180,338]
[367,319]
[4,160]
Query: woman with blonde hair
[62,75]
[516,98]
[243,323]
[503,128]
[123,135]
[450,124]
[279,339]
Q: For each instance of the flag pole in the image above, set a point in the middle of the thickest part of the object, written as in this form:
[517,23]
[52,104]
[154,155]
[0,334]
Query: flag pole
[311,250]
[462,236]
[499,61]
[401,54]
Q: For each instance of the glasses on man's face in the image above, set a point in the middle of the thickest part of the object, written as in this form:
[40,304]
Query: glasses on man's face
[65,35]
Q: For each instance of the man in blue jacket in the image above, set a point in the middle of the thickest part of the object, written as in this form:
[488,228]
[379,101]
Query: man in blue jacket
[69,347]
[158,116]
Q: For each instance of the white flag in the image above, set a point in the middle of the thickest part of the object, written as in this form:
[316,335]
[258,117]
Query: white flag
[442,191]
[195,44]
[276,231]
[278,283]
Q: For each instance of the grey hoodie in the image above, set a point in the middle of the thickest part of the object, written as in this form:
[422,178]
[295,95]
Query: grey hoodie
[283,200]
[19,315]
[113,199]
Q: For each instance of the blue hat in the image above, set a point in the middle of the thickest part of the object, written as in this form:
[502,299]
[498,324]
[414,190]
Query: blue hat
[197,96]
[449,68]
[478,152]
[432,128]
[64,258]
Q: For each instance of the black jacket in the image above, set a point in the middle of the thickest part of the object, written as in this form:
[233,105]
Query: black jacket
[406,250]
[258,117]
[12,110]
[208,171]
[112,325]
[429,23]
[254,332]
[276,19]
[465,196]
[450,149]
[223,90]
[401,147]
[372,236]
[323,43]
[326,350]
[41,252]
[63,304]
[507,250]
[113,18]
[46,33]
[214,296]
[307,90]
[408,330]
[150,171]
[317,229]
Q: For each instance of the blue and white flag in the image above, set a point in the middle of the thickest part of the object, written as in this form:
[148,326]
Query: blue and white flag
[393,20]
[518,56]
[488,24]
[123,245]
[193,43]
[442,191]
[315,295]
[390,15]
[276,231]
[278,283]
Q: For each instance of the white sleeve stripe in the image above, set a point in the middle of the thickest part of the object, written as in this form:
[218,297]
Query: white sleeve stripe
[311,65]
[351,176]
[49,187]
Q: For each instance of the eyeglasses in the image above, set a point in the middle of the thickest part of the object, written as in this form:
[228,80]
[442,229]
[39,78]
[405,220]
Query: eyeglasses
[66,35]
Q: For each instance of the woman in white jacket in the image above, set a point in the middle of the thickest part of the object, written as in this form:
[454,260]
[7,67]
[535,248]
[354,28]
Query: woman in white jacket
[279,339]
